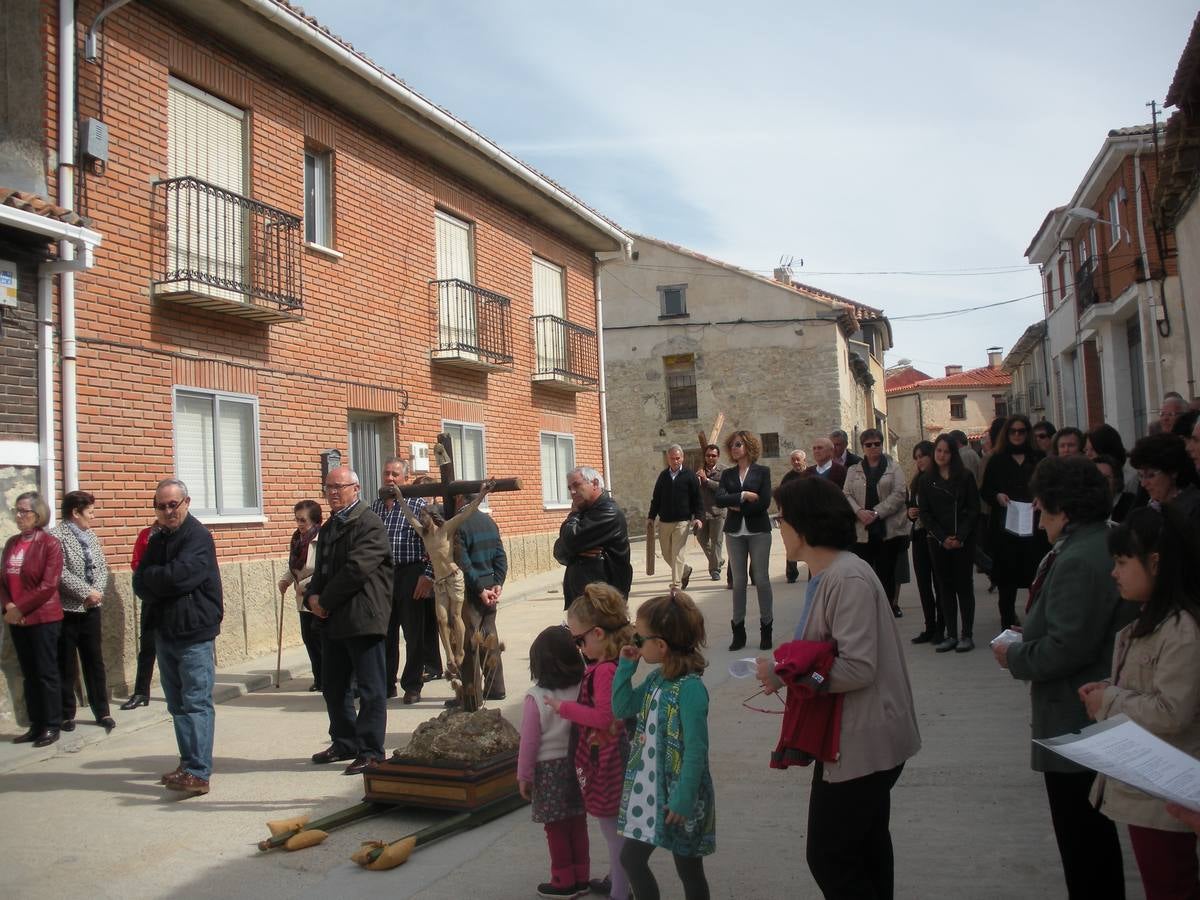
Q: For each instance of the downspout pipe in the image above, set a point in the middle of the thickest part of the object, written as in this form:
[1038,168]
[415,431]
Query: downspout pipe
[66,249]
[1150,366]
[600,260]
[45,363]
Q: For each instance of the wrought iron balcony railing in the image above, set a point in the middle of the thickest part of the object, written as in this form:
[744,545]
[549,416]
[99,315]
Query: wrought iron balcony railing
[473,325]
[1037,395]
[566,354]
[220,250]
[1091,283]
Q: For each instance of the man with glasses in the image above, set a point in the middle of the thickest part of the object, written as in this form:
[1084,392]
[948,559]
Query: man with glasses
[351,589]
[180,584]
[712,533]
[412,591]
[593,540]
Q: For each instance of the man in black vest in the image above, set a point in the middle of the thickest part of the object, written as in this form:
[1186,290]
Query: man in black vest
[676,504]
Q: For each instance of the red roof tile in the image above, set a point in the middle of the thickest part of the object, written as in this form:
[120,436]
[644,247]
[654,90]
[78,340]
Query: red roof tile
[983,377]
[40,206]
[906,376]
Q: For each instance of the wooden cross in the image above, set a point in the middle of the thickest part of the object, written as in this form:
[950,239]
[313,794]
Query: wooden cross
[486,654]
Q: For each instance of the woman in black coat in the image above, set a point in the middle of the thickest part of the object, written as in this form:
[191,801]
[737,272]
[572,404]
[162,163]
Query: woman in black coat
[927,585]
[950,509]
[1014,558]
[745,490]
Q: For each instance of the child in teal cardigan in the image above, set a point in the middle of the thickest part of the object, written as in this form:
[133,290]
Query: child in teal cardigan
[668,799]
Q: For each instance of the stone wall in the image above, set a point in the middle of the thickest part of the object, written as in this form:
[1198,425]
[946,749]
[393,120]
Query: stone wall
[250,628]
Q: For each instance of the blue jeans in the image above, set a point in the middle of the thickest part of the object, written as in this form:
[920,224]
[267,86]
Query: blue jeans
[186,671]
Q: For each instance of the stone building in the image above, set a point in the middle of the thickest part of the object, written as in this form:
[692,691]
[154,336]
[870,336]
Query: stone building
[688,337]
[967,401]
[299,254]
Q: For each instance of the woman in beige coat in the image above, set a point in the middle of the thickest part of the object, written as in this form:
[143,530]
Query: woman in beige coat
[849,840]
[1156,683]
[876,490]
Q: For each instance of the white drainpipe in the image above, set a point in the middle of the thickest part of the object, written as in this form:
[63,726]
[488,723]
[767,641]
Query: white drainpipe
[66,250]
[45,345]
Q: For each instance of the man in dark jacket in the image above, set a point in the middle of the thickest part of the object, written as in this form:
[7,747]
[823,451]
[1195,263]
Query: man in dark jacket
[484,566]
[676,504]
[593,541]
[351,589]
[180,585]
[841,449]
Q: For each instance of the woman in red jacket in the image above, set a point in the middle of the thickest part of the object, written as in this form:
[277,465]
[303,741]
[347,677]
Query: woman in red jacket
[32,564]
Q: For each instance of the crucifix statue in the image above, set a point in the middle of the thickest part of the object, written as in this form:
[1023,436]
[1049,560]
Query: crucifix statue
[438,534]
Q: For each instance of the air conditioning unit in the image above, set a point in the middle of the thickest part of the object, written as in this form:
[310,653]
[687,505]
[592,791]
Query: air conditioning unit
[419,456]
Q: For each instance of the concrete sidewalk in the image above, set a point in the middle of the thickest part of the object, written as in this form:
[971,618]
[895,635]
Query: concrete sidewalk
[969,817]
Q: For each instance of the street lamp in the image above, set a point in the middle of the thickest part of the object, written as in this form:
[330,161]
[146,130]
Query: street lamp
[1087,215]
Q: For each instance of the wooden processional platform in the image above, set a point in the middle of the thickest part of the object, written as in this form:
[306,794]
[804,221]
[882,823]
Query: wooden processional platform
[442,785]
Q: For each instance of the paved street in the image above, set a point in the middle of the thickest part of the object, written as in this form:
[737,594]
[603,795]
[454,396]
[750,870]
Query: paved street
[969,817]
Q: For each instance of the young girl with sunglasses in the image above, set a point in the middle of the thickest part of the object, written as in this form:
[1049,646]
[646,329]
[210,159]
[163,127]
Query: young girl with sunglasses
[545,771]
[599,623]
[668,798]
[1156,682]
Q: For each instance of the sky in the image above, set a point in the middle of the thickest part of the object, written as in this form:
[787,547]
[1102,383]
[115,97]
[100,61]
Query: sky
[906,153]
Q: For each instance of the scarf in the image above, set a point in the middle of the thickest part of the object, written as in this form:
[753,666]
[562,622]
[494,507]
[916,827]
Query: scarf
[1043,569]
[85,539]
[298,554]
[874,475]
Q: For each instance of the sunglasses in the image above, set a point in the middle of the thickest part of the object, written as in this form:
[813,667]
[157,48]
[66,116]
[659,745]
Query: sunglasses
[169,506]
[771,712]
[640,639]
[580,639]
[737,444]
[1018,431]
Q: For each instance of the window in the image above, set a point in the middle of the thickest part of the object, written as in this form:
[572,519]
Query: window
[466,450]
[455,261]
[550,337]
[1062,275]
[371,439]
[1114,218]
[216,452]
[1001,405]
[672,300]
[1049,304]
[318,197]
[958,406]
[770,444]
[681,386]
[558,458]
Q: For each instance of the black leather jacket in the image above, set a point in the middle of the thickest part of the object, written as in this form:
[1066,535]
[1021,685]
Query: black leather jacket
[180,582]
[601,525]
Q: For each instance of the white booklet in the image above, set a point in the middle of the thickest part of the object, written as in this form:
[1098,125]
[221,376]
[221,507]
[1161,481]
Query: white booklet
[1019,518]
[1124,750]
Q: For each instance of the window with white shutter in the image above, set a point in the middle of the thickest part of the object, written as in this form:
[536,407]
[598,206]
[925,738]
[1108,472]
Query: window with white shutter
[558,459]
[550,336]
[456,305]
[206,139]
[372,440]
[216,452]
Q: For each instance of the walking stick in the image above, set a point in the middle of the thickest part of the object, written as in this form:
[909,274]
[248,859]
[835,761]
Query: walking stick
[279,651]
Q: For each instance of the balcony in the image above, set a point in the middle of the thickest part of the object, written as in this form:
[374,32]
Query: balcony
[566,355]
[1091,283]
[473,327]
[221,251]
[1037,396]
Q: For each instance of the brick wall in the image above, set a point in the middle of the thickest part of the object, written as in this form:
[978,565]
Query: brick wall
[18,352]
[369,317]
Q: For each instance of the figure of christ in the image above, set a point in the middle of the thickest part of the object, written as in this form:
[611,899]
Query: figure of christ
[438,536]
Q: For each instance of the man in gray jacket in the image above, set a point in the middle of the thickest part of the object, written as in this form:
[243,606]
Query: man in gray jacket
[351,589]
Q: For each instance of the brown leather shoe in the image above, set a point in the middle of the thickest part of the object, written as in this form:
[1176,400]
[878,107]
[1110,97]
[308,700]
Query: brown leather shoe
[330,755]
[188,784]
[411,697]
[171,776]
[360,763]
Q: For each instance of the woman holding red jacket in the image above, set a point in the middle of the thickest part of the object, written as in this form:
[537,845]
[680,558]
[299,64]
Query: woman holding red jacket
[32,565]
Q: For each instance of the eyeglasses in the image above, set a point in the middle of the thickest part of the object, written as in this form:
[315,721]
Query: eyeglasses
[23,512]
[170,505]
[640,639]
[872,443]
[334,488]
[770,712]
[1148,474]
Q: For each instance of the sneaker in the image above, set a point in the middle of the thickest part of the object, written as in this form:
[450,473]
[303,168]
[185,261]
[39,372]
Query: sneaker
[550,889]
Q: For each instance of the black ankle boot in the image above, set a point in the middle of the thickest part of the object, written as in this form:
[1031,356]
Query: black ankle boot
[739,635]
[765,636]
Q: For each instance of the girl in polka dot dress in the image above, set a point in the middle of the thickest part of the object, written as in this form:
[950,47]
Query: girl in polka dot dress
[667,799]
[545,771]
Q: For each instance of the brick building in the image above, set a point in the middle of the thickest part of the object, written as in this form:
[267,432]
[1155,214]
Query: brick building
[1116,333]
[687,337]
[300,254]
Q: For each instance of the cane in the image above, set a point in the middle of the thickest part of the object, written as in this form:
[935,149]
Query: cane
[279,652]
